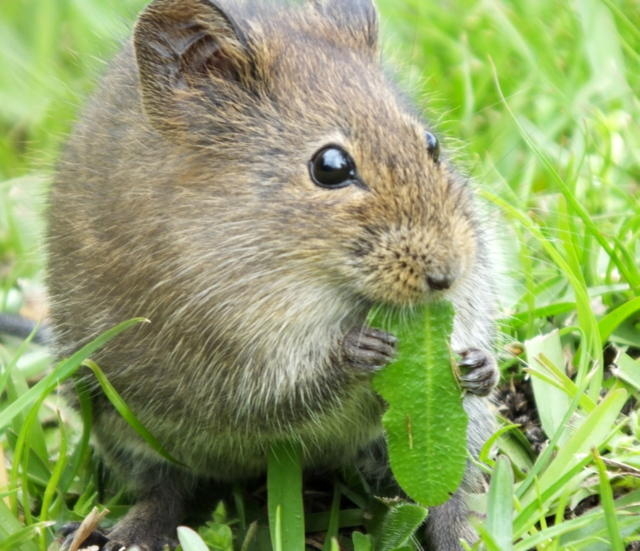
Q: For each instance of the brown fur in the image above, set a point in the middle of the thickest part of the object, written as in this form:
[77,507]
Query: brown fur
[184,197]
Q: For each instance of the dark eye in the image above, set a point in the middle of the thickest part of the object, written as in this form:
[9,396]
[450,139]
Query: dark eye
[332,167]
[433,146]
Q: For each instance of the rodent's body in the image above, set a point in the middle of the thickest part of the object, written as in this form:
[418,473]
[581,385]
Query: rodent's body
[187,200]
[238,340]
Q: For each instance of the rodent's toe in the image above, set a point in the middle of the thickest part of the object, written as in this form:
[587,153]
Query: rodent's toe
[369,349]
[474,358]
[480,373]
[380,335]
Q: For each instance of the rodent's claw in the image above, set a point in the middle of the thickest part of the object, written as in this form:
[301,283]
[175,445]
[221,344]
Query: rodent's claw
[369,349]
[480,371]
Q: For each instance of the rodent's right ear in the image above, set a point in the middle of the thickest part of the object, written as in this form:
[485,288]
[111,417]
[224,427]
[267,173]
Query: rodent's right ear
[181,44]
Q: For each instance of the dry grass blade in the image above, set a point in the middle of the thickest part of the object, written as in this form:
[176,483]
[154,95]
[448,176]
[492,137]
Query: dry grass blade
[87,527]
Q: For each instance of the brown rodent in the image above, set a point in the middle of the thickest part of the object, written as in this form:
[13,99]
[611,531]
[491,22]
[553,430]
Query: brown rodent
[248,179]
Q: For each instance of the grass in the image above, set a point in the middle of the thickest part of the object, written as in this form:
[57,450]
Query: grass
[540,102]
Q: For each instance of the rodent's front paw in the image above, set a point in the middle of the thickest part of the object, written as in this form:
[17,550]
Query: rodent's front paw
[368,349]
[479,371]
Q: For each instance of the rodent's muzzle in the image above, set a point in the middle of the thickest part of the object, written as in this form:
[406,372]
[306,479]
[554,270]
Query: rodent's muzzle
[406,266]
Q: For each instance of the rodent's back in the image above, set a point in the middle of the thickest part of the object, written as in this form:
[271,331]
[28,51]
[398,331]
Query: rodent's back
[191,203]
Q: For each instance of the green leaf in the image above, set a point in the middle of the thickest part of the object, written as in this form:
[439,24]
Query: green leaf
[217,533]
[606,499]
[399,525]
[334,520]
[284,490]
[500,505]
[362,542]
[425,422]
[190,540]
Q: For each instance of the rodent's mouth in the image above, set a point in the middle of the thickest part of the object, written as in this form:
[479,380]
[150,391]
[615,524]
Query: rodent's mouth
[394,289]
[406,301]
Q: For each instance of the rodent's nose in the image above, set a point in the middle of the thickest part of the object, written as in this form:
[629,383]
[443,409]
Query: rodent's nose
[439,282]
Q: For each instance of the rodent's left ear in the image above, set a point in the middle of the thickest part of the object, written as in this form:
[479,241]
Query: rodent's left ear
[357,18]
[179,45]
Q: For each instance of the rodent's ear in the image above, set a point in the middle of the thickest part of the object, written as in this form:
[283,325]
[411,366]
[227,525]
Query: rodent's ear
[179,44]
[358,19]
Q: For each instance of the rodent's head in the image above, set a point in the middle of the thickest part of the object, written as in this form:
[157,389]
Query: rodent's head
[290,119]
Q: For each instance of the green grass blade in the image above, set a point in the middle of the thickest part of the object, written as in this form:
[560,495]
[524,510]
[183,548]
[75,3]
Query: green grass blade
[528,515]
[250,536]
[628,370]
[500,505]
[10,526]
[592,431]
[556,402]
[18,540]
[82,449]
[53,484]
[606,499]
[487,540]
[334,519]
[613,319]
[125,412]
[284,494]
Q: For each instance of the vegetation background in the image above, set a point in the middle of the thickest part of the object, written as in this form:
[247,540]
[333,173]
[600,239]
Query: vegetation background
[540,102]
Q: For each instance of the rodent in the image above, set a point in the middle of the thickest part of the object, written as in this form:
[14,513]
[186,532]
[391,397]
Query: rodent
[249,179]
